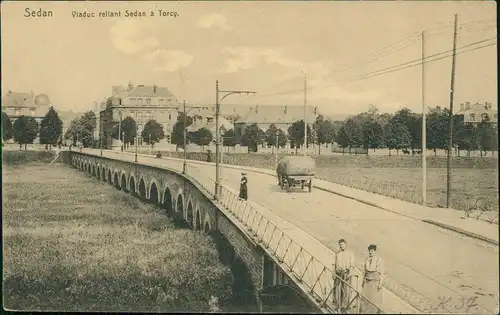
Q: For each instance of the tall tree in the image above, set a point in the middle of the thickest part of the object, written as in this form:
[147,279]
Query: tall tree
[153,132]
[73,131]
[466,137]
[373,134]
[487,136]
[353,132]
[437,128]
[25,130]
[252,137]
[229,138]
[282,140]
[6,127]
[271,134]
[397,136]
[414,124]
[51,128]
[202,137]
[177,136]
[129,130]
[325,131]
[296,134]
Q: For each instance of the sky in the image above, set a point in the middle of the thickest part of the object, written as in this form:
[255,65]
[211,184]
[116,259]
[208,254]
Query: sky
[267,47]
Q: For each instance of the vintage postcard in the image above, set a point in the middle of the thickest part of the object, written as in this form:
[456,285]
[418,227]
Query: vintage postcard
[244,156]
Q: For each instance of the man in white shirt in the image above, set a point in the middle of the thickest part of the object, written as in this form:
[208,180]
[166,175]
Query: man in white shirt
[343,270]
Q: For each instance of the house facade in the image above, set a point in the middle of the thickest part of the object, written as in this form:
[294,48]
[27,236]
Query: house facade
[281,116]
[476,113]
[142,103]
[17,104]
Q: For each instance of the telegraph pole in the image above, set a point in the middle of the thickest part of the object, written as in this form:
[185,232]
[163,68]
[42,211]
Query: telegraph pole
[305,115]
[218,139]
[424,128]
[450,135]
[184,135]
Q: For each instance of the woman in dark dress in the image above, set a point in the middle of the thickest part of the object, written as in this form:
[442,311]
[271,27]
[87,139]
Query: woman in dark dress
[243,187]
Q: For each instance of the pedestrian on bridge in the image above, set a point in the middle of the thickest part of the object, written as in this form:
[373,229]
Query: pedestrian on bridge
[373,280]
[243,187]
[344,268]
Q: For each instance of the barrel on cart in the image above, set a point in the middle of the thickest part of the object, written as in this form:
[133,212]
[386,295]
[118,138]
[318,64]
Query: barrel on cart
[295,171]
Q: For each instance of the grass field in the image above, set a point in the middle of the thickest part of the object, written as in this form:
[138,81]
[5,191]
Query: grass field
[397,176]
[74,244]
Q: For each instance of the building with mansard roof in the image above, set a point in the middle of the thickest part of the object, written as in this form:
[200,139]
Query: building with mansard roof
[142,103]
[281,116]
[476,113]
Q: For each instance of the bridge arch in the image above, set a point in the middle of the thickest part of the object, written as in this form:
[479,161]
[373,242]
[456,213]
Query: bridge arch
[142,189]
[179,205]
[116,181]
[94,170]
[197,220]
[167,202]
[189,215]
[131,184]
[98,172]
[123,184]
[154,197]
[109,178]
[158,191]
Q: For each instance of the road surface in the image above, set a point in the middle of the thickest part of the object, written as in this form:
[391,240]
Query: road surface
[437,264]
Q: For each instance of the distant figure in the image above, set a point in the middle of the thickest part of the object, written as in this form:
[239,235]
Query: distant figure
[373,280]
[209,156]
[158,155]
[343,267]
[243,187]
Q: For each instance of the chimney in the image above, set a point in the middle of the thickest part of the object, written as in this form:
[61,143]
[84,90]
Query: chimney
[154,90]
[256,109]
[467,105]
[130,86]
[286,107]
[462,107]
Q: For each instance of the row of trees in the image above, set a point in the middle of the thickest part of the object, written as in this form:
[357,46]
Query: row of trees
[26,129]
[372,130]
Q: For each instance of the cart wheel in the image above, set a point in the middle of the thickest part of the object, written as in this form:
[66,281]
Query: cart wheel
[310,186]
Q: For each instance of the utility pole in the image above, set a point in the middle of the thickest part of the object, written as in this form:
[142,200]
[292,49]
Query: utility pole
[450,135]
[120,128]
[184,132]
[184,135]
[217,132]
[424,128]
[305,115]
[276,147]
[136,138]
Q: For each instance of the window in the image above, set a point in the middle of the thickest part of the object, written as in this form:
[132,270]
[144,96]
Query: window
[161,100]
[209,120]
[132,101]
[472,117]
[17,112]
[148,101]
[140,101]
[169,116]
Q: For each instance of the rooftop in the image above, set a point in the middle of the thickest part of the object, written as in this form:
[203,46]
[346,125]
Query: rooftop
[278,114]
[26,100]
[142,91]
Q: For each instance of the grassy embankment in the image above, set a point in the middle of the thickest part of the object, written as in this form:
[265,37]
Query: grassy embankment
[72,243]
[396,176]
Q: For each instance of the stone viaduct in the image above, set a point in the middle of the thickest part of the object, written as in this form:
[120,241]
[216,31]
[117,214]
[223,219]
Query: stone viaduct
[191,206]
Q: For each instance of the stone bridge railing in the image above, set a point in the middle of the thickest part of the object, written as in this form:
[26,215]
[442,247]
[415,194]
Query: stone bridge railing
[283,242]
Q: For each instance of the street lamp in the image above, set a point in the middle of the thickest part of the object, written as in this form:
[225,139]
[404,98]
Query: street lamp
[184,131]
[217,131]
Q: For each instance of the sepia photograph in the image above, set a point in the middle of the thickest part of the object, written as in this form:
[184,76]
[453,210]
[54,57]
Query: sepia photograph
[335,157]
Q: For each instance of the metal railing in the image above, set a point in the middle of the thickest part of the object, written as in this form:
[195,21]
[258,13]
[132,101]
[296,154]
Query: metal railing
[313,277]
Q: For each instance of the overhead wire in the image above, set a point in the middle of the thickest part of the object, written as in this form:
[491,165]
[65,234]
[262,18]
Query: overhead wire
[395,68]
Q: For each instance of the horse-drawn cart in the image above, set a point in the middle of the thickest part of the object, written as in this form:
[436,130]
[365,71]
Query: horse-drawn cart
[294,171]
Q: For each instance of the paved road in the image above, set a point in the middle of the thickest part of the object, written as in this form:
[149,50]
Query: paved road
[435,263]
